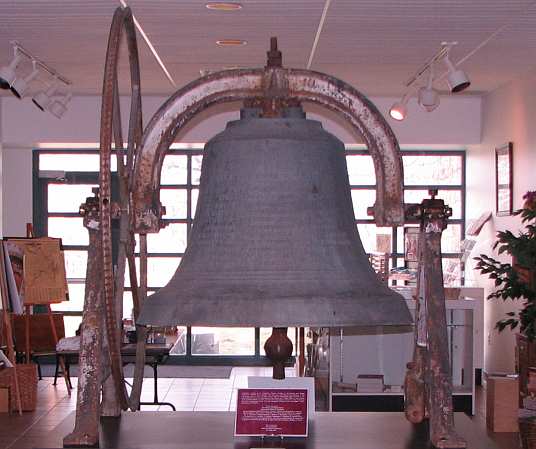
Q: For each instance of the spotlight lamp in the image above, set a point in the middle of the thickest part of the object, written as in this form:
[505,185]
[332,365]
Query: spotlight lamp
[429,97]
[20,85]
[56,84]
[457,79]
[399,109]
[8,73]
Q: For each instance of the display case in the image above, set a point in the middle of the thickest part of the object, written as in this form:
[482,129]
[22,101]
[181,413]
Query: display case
[367,365]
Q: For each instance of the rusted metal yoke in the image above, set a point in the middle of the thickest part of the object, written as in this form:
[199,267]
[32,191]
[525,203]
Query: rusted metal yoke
[86,430]
[428,384]
[274,87]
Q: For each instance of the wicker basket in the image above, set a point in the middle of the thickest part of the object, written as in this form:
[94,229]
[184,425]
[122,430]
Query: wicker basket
[27,377]
[527,432]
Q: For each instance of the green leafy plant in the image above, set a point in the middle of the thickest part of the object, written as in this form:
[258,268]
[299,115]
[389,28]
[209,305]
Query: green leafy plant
[516,281]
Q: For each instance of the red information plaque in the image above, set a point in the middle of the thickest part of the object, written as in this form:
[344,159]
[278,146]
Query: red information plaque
[271,411]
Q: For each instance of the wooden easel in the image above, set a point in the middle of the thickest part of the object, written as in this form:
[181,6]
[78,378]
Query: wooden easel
[27,309]
[7,324]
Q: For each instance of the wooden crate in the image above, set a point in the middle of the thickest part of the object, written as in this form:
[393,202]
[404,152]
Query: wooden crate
[4,400]
[27,380]
[502,404]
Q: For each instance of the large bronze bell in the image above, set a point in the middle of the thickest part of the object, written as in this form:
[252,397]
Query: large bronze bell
[274,242]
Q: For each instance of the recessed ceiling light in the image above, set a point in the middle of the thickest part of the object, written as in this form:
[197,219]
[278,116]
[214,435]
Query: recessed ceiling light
[224,6]
[231,42]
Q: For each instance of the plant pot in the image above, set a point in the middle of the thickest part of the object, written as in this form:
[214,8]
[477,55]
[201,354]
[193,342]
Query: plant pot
[527,432]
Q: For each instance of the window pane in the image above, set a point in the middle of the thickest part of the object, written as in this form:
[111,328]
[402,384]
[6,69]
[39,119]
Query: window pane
[361,200]
[373,237]
[361,170]
[71,325]
[174,170]
[179,346]
[127,276]
[450,240]
[70,230]
[451,272]
[175,202]
[196,169]
[69,162]
[160,270]
[75,264]
[76,299]
[430,170]
[128,305]
[171,239]
[72,162]
[265,333]
[68,197]
[195,196]
[223,340]
[452,198]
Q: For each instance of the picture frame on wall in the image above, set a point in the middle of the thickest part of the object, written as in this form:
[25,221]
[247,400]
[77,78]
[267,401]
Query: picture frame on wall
[503,180]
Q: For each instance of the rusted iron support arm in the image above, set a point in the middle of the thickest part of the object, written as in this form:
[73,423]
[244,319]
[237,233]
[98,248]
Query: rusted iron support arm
[432,337]
[86,429]
[274,82]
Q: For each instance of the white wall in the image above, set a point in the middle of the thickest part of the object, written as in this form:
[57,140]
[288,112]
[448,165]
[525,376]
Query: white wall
[507,115]
[16,191]
[23,127]
[1,175]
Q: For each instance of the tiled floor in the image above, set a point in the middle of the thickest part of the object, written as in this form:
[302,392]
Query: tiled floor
[54,405]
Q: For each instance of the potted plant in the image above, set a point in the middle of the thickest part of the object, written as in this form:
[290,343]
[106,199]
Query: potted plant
[517,281]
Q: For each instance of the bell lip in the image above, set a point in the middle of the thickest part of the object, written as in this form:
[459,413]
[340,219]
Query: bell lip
[354,311]
[210,323]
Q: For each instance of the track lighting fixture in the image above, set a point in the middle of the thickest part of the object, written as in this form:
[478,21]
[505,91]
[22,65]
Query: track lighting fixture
[20,85]
[8,73]
[53,100]
[399,109]
[57,85]
[59,107]
[457,80]
[44,98]
[428,97]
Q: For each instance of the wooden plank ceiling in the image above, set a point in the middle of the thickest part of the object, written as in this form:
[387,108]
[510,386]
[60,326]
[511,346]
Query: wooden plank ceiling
[376,45]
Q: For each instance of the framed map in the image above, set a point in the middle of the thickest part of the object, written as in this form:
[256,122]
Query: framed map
[503,177]
[38,267]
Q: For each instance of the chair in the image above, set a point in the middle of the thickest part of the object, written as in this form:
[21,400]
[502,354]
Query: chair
[42,342]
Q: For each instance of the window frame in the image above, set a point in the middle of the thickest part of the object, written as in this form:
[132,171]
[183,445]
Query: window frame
[395,254]
[41,215]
